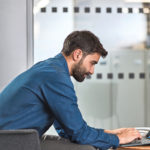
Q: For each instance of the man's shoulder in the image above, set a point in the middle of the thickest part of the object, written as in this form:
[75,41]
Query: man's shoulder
[48,71]
[51,65]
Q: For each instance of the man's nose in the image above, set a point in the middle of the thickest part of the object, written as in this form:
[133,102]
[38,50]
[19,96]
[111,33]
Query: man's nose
[92,70]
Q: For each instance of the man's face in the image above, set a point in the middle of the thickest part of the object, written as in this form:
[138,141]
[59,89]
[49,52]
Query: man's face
[85,66]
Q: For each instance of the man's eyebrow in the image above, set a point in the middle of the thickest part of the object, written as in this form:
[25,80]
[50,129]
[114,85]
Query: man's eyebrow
[94,62]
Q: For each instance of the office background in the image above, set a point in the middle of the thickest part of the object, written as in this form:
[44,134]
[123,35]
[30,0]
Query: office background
[117,95]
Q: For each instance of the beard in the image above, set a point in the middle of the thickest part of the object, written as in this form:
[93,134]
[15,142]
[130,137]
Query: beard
[79,72]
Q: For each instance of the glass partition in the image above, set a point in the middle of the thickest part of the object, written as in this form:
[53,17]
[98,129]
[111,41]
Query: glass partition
[117,94]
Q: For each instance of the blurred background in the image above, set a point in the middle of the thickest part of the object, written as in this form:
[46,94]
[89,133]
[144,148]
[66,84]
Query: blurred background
[118,93]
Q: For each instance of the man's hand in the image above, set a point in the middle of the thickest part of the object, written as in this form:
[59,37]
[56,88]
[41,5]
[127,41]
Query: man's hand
[125,135]
[115,131]
[128,135]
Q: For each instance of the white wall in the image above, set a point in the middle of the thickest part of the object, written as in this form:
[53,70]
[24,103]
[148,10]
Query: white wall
[51,29]
[115,30]
[15,38]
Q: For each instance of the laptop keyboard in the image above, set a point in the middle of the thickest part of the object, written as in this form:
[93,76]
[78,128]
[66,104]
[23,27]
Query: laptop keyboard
[143,141]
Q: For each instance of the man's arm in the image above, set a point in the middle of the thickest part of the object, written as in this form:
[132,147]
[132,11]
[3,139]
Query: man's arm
[60,130]
[60,96]
[121,133]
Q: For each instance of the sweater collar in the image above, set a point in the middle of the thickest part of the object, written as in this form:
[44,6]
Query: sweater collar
[64,62]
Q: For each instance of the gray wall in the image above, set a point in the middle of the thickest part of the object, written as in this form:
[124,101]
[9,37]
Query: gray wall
[15,38]
[148,88]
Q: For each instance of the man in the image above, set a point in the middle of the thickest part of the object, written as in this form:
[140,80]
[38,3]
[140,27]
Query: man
[44,95]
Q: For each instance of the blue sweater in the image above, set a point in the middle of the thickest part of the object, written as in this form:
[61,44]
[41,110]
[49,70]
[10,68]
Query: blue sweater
[44,95]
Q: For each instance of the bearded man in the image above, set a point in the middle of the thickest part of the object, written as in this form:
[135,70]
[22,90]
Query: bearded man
[44,95]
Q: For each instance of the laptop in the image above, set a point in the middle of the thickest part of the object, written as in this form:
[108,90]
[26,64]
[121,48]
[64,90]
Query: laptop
[141,142]
[145,132]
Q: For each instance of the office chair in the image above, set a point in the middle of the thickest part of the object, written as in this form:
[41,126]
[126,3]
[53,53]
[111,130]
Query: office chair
[28,139]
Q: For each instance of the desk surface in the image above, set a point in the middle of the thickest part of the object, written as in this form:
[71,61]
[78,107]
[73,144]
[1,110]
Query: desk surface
[135,148]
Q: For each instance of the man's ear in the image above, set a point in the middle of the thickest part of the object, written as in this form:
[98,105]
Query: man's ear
[77,55]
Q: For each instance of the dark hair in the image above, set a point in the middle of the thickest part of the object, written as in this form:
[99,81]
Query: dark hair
[84,40]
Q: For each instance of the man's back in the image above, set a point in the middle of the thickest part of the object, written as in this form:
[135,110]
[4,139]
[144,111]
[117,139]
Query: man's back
[23,103]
